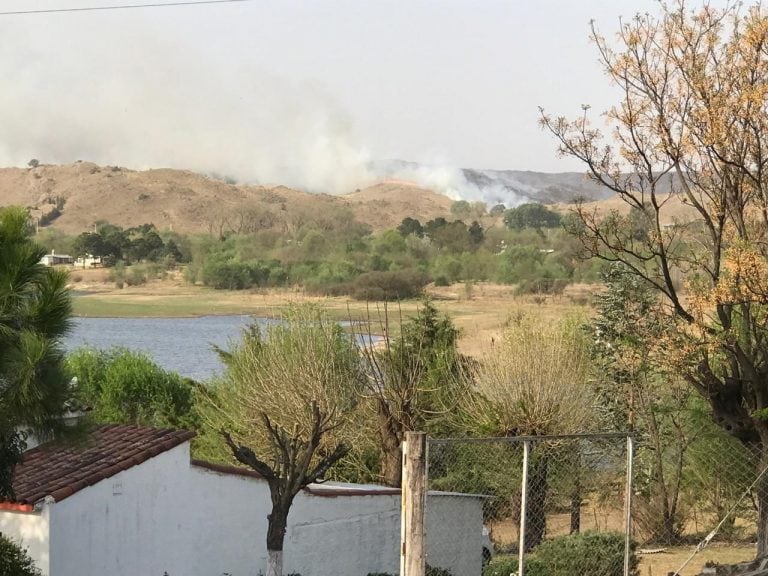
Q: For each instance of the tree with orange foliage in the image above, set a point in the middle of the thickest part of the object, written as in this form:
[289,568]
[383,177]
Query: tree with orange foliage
[691,126]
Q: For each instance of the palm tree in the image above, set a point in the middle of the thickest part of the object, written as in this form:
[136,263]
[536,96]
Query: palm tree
[35,310]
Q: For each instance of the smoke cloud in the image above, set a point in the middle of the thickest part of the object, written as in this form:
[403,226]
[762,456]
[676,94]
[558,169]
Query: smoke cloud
[135,97]
[149,105]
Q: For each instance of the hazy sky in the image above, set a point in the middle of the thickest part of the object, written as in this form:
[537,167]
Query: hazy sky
[305,92]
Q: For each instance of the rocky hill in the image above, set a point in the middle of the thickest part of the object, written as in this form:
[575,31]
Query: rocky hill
[189,202]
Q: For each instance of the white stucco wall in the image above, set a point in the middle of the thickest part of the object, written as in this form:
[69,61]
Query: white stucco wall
[30,529]
[455,534]
[169,516]
[344,535]
[134,523]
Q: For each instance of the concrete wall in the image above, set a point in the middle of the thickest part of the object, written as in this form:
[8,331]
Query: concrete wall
[30,529]
[169,516]
[344,535]
[455,534]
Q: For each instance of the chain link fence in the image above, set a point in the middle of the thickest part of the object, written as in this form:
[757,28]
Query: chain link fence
[560,505]
[545,500]
[695,501]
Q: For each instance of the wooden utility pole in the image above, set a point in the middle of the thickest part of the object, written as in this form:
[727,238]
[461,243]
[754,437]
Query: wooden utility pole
[414,498]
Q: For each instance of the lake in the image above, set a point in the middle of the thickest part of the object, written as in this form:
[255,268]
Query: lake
[183,345]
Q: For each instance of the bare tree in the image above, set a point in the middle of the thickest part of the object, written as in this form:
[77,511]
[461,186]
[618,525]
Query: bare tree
[281,407]
[692,127]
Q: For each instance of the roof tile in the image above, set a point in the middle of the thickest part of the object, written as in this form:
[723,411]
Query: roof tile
[59,470]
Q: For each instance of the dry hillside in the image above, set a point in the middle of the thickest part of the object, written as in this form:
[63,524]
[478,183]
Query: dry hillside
[190,202]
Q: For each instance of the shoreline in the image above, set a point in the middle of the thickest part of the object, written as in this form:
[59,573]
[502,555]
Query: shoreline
[480,311]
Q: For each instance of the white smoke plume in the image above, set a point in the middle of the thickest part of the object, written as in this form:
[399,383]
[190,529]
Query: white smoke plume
[130,95]
[156,105]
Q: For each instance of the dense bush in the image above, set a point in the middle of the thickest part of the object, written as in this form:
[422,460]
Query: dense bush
[398,285]
[125,387]
[14,560]
[571,555]
[436,571]
[430,571]
[586,553]
[230,274]
[506,565]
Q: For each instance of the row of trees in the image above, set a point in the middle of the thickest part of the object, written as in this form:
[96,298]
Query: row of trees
[140,244]
[531,251]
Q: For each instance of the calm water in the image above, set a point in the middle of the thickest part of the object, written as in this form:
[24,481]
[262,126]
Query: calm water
[180,344]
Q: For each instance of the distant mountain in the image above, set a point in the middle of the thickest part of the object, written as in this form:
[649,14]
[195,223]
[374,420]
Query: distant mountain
[501,185]
[508,187]
[85,193]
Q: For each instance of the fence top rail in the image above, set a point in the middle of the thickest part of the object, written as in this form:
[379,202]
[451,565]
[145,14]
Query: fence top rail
[514,439]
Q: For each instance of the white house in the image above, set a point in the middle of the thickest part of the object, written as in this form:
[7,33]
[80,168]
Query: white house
[129,502]
[88,261]
[54,259]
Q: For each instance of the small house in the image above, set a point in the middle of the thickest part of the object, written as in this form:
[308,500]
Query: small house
[128,501]
[54,259]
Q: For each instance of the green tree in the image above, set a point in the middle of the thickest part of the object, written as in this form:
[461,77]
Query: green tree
[282,406]
[126,387]
[414,382]
[637,393]
[35,311]
[531,215]
[410,226]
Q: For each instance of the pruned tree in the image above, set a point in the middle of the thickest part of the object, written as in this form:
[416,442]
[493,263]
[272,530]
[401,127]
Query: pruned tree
[281,407]
[535,382]
[691,127]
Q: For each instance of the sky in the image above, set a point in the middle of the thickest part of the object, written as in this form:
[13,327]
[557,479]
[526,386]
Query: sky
[310,93]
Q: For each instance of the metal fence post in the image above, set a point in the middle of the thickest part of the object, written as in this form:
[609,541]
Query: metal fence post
[413,502]
[523,508]
[628,503]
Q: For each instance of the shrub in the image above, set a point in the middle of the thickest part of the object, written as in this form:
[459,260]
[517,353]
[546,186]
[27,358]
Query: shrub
[396,285]
[14,560]
[137,276]
[586,553]
[506,565]
[430,571]
[442,281]
[542,286]
[435,571]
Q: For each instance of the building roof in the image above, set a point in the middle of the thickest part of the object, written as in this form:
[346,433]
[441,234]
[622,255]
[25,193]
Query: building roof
[60,470]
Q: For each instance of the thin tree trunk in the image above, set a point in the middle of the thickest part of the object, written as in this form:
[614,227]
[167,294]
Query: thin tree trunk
[391,442]
[391,469]
[576,509]
[576,499]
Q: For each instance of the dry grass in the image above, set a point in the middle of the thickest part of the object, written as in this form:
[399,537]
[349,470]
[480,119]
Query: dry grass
[673,558]
[481,312]
[594,517]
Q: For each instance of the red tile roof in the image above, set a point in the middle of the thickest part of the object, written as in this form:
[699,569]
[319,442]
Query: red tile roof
[59,471]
